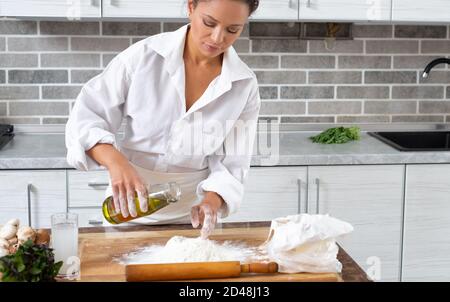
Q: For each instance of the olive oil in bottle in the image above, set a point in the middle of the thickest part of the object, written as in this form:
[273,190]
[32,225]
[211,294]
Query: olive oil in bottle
[160,196]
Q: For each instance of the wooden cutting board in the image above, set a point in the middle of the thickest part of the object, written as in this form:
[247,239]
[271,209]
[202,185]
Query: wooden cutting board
[99,253]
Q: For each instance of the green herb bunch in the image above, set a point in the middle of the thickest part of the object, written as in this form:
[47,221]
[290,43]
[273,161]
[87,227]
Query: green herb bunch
[338,135]
[31,262]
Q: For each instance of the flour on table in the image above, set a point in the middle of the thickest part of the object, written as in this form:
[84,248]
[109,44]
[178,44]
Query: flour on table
[183,249]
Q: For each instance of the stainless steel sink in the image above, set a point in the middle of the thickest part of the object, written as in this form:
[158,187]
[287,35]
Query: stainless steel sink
[415,140]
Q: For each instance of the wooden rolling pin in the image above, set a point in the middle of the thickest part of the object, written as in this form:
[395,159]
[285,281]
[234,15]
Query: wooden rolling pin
[195,270]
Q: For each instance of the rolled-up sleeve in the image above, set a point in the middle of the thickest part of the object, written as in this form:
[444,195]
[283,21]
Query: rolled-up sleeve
[97,114]
[228,171]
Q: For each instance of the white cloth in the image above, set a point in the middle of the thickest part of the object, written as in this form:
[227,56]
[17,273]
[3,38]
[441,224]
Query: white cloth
[306,243]
[178,212]
[145,85]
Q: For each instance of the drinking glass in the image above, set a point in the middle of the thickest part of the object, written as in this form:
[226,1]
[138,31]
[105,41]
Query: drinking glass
[64,241]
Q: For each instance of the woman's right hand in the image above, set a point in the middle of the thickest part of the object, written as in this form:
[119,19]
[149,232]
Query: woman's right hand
[126,183]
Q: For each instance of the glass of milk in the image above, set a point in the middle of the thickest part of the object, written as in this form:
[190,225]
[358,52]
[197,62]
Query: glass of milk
[64,241]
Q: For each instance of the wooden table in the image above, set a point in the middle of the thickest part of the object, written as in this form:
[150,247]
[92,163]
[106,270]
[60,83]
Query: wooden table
[101,246]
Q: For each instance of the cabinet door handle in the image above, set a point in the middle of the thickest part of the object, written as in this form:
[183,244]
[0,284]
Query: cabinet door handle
[98,184]
[317,181]
[95,222]
[93,3]
[112,3]
[299,183]
[308,4]
[29,188]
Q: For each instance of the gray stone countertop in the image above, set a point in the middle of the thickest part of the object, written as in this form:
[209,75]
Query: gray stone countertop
[47,151]
[297,149]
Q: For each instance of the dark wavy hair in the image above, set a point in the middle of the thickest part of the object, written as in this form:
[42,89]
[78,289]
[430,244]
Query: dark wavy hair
[252,4]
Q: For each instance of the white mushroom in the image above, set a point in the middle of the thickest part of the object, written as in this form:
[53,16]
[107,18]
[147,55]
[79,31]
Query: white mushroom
[15,222]
[26,233]
[4,243]
[3,252]
[8,231]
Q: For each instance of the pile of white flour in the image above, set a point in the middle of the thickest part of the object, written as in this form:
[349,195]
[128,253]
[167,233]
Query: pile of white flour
[182,249]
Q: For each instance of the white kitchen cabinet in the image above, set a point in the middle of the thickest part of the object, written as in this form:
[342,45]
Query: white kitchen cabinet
[426,253]
[276,10]
[371,199]
[72,10]
[89,217]
[86,195]
[145,9]
[345,10]
[32,195]
[87,188]
[421,11]
[272,192]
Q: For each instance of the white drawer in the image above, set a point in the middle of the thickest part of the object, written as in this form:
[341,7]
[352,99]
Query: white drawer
[88,217]
[271,192]
[87,188]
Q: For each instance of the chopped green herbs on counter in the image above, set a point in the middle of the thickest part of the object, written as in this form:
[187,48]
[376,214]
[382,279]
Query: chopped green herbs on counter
[31,262]
[337,135]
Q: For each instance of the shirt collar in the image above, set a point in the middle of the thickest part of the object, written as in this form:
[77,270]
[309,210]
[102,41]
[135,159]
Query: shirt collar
[171,46]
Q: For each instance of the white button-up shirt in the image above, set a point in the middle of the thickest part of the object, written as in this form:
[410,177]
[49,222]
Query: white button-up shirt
[145,85]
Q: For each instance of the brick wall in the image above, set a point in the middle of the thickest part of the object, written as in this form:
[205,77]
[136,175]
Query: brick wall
[374,78]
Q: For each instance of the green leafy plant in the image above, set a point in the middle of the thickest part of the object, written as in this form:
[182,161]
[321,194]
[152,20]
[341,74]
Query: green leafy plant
[337,135]
[31,262]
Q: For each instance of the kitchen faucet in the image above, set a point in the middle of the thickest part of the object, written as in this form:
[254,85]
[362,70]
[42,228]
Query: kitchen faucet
[433,63]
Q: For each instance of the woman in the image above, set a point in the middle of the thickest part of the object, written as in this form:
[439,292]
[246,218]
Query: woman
[165,86]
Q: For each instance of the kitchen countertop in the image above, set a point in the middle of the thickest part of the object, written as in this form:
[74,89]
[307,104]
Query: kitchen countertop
[105,269]
[47,151]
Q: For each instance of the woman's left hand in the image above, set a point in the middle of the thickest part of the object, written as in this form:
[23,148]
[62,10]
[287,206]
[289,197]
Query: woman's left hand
[205,213]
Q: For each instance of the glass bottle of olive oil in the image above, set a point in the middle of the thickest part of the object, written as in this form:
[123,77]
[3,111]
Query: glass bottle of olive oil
[160,196]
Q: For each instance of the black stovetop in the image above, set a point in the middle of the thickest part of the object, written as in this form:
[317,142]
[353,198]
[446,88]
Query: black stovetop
[6,134]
